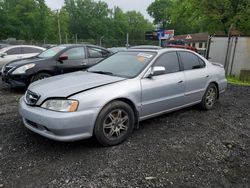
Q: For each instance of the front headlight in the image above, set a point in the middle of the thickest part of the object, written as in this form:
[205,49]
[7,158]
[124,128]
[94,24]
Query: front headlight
[2,69]
[61,105]
[23,69]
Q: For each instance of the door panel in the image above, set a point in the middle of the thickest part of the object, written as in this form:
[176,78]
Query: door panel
[161,93]
[196,81]
[95,55]
[196,76]
[76,60]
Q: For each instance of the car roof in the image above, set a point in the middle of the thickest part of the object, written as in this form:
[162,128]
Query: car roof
[15,46]
[159,51]
[75,45]
[146,47]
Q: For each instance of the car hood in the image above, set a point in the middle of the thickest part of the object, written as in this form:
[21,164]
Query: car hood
[69,84]
[18,63]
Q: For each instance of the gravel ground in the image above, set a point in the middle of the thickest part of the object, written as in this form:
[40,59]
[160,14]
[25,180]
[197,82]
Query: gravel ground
[187,148]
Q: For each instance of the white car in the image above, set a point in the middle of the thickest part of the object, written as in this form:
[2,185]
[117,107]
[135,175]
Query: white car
[16,52]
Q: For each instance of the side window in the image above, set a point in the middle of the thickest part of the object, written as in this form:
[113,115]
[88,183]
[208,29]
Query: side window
[169,61]
[13,51]
[29,50]
[97,53]
[75,53]
[202,63]
[190,61]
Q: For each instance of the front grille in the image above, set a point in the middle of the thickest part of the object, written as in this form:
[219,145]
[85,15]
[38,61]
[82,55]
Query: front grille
[31,98]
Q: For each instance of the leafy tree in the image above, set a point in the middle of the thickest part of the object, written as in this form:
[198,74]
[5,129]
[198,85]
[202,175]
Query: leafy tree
[160,11]
[186,16]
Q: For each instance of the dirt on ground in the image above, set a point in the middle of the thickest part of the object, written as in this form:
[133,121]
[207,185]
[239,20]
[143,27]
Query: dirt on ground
[187,148]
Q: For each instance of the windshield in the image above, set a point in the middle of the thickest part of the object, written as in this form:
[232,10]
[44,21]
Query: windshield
[124,64]
[51,52]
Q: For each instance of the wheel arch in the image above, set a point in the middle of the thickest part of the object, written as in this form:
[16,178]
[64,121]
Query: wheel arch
[127,101]
[217,87]
[39,72]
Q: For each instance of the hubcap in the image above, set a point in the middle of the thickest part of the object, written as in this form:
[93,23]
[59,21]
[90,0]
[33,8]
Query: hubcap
[211,97]
[116,124]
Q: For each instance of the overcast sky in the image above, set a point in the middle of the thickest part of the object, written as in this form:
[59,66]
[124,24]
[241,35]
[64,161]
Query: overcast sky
[138,5]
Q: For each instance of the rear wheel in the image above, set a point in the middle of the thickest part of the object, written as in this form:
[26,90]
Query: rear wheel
[209,97]
[114,123]
[40,76]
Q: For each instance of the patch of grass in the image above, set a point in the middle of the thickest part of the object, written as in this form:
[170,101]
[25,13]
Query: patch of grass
[237,81]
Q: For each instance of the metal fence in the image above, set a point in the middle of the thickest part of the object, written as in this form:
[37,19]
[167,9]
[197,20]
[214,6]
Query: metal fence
[101,42]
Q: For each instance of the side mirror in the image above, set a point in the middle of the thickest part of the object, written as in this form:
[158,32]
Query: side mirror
[155,71]
[2,55]
[63,58]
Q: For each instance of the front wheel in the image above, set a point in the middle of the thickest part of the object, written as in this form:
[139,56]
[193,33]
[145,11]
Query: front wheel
[114,123]
[40,76]
[210,97]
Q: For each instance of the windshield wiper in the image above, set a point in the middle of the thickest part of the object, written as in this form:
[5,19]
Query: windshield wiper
[102,72]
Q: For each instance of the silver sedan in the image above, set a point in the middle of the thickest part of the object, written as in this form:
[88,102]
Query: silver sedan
[110,99]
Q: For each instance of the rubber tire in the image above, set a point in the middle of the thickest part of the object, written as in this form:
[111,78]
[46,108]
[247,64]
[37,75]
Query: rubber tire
[98,130]
[203,104]
[40,75]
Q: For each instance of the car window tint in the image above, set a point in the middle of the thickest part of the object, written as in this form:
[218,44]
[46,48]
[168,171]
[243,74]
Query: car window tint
[189,60]
[13,51]
[29,50]
[169,61]
[75,53]
[96,53]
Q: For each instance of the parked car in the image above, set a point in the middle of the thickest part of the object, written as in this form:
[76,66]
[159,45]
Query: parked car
[110,98]
[3,45]
[151,47]
[54,61]
[12,53]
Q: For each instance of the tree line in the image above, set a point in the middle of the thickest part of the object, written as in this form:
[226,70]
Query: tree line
[86,19]
[191,16]
[94,20]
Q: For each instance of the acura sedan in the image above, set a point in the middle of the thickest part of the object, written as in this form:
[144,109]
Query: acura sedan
[110,99]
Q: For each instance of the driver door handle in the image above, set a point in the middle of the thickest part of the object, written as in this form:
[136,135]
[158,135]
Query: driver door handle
[181,81]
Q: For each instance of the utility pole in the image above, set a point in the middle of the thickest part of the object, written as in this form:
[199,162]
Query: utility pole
[66,38]
[127,40]
[100,43]
[76,38]
[59,27]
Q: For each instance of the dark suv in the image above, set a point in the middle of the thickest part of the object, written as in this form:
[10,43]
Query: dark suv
[54,61]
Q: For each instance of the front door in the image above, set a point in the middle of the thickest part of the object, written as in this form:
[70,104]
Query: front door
[163,92]
[76,60]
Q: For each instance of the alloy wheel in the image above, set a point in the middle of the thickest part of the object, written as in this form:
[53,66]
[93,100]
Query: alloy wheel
[115,124]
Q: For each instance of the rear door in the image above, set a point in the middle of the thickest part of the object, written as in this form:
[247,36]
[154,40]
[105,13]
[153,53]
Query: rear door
[76,60]
[196,76]
[163,92]
[96,54]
